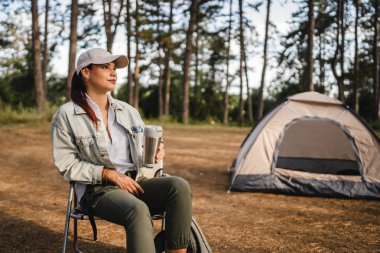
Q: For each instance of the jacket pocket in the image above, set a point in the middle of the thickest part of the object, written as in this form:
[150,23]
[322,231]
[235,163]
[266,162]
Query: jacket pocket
[84,142]
[138,140]
[88,149]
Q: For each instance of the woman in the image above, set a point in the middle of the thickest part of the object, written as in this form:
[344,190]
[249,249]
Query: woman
[97,143]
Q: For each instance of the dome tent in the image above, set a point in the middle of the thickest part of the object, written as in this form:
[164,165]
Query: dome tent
[310,144]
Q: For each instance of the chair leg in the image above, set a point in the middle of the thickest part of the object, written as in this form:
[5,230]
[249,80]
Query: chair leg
[163,224]
[67,224]
[66,233]
[76,247]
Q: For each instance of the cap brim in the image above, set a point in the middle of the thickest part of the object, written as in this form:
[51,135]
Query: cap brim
[121,61]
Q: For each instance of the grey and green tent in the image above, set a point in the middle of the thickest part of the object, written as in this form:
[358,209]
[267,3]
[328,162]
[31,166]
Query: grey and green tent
[310,144]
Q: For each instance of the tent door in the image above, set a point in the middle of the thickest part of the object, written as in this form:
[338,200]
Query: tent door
[316,145]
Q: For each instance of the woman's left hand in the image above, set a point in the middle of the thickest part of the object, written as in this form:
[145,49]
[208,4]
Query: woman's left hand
[160,153]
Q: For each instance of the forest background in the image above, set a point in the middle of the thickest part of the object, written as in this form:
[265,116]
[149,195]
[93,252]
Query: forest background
[190,60]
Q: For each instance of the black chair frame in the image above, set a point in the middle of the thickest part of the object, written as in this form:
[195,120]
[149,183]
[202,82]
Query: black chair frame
[76,214]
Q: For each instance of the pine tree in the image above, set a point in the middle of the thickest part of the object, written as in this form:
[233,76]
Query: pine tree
[310,47]
[136,99]
[187,59]
[241,41]
[356,60]
[265,62]
[129,35]
[73,44]
[228,81]
[37,64]
[168,45]
[111,20]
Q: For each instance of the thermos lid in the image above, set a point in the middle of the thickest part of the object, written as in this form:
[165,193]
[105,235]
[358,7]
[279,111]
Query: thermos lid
[153,131]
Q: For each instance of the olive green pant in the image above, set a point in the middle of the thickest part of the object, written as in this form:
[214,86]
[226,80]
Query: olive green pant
[165,194]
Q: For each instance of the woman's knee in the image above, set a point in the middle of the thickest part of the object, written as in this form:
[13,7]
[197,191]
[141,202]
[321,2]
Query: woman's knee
[138,212]
[180,186]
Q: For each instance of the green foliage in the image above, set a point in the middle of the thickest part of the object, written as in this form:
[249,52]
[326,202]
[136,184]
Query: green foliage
[269,103]
[366,104]
[121,93]
[149,101]
[233,110]
[10,115]
[206,89]
[56,94]
[206,103]
[149,98]
[375,126]
[18,90]
[175,108]
[17,85]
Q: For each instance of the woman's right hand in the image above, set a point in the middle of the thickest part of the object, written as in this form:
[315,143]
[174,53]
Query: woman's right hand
[122,181]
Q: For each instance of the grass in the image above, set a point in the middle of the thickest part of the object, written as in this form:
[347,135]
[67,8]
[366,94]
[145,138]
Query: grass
[167,120]
[10,116]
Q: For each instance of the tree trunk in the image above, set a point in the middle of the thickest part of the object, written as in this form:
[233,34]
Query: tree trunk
[196,74]
[339,51]
[260,110]
[168,56]
[73,44]
[129,35]
[187,59]
[109,25]
[241,36]
[160,91]
[45,58]
[160,77]
[376,61]
[210,94]
[356,61]
[342,33]
[137,58]
[226,98]
[321,53]
[310,45]
[249,98]
[37,64]
[321,60]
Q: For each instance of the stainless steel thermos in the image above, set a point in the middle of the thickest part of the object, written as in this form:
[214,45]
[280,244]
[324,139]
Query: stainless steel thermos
[152,140]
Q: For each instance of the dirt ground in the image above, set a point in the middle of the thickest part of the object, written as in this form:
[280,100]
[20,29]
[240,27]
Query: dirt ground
[33,198]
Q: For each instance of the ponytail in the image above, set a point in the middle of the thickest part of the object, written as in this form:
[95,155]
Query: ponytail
[78,96]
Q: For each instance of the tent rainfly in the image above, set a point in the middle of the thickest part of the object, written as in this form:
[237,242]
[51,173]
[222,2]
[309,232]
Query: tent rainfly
[310,144]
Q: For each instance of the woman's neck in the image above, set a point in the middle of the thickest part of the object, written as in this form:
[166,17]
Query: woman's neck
[100,99]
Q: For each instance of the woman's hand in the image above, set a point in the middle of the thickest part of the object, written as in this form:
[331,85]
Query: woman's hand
[122,181]
[160,153]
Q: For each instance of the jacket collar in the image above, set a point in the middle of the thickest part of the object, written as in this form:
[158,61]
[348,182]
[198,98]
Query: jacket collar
[78,109]
[116,105]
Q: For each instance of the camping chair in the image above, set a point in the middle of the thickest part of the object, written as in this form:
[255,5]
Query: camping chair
[76,214]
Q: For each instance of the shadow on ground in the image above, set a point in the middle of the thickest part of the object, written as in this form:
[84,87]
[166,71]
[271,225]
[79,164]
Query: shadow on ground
[27,236]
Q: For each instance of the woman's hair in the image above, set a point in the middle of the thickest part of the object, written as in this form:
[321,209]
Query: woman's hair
[78,96]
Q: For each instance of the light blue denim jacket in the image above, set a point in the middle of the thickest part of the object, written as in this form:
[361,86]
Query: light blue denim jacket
[80,151]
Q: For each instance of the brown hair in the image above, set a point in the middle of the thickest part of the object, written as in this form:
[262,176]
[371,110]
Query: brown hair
[78,96]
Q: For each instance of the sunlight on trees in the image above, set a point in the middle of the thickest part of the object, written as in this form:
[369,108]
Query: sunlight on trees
[191,60]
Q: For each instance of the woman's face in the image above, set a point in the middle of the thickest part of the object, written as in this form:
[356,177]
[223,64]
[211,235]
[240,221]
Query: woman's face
[101,78]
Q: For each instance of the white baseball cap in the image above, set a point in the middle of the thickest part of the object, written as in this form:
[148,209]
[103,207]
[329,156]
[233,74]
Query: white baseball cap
[100,56]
